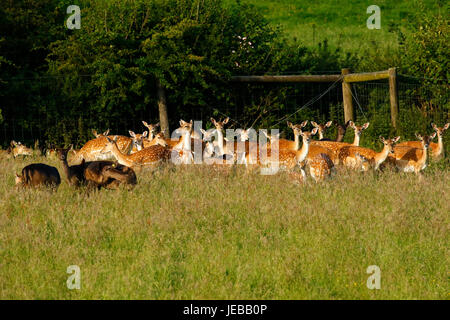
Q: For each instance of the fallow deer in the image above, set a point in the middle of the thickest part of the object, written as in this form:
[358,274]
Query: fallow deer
[352,156]
[335,146]
[437,149]
[148,157]
[18,149]
[97,135]
[322,128]
[74,174]
[91,151]
[38,174]
[409,159]
[109,175]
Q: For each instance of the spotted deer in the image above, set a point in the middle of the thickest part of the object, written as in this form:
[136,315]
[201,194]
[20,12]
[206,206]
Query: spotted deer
[409,159]
[335,146]
[437,149]
[18,149]
[91,151]
[355,157]
[287,159]
[152,129]
[148,157]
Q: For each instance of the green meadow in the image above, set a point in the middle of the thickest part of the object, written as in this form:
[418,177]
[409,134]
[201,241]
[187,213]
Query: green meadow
[198,233]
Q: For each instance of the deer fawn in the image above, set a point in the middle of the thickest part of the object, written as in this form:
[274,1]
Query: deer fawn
[408,159]
[18,149]
[38,174]
[437,149]
[91,151]
[150,156]
[363,158]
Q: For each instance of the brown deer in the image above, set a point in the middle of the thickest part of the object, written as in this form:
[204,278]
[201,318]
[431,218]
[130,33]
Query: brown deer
[409,159]
[109,175]
[364,158]
[437,149]
[38,174]
[74,174]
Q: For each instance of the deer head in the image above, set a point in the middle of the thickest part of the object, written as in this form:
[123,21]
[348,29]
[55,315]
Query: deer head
[322,127]
[152,129]
[425,140]
[440,131]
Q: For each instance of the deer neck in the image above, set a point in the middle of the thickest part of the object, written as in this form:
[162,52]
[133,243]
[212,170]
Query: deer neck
[187,141]
[121,158]
[297,142]
[423,160]
[220,141]
[303,152]
[440,148]
[320,135]
[65,166]
[339,137]
[381,156]
[356,140]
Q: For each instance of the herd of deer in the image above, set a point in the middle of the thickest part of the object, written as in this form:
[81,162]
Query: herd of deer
[91,165]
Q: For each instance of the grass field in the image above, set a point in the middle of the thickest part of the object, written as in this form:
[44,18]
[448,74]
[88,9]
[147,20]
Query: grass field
[192,233]
[342,23]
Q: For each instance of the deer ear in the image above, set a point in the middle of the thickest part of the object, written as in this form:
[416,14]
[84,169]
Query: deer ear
[381,139]
[395,140]
[289,124]
[13,143]
[182,122]
[145,134]
[213,121]
[418,136]
[304,123]
[350,124]
[328,124]
[203,131]
[314,131]
[226,120]
[433,126]
[157,125]
[365,125]
[433,135]
[446,126]
[94,132]
[145,123]
[314,124]
[106,132]
[132,134]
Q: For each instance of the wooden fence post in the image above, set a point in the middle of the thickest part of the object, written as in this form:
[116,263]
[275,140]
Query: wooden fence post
[162,106]
[393,94]
[347,98]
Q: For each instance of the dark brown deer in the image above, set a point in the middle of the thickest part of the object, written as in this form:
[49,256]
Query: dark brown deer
[38,174]
[74,174]
[109,175]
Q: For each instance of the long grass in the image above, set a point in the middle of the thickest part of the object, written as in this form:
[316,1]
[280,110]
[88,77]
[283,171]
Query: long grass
[195,233]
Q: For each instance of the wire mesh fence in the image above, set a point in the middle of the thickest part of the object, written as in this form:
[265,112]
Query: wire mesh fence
[38,116]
